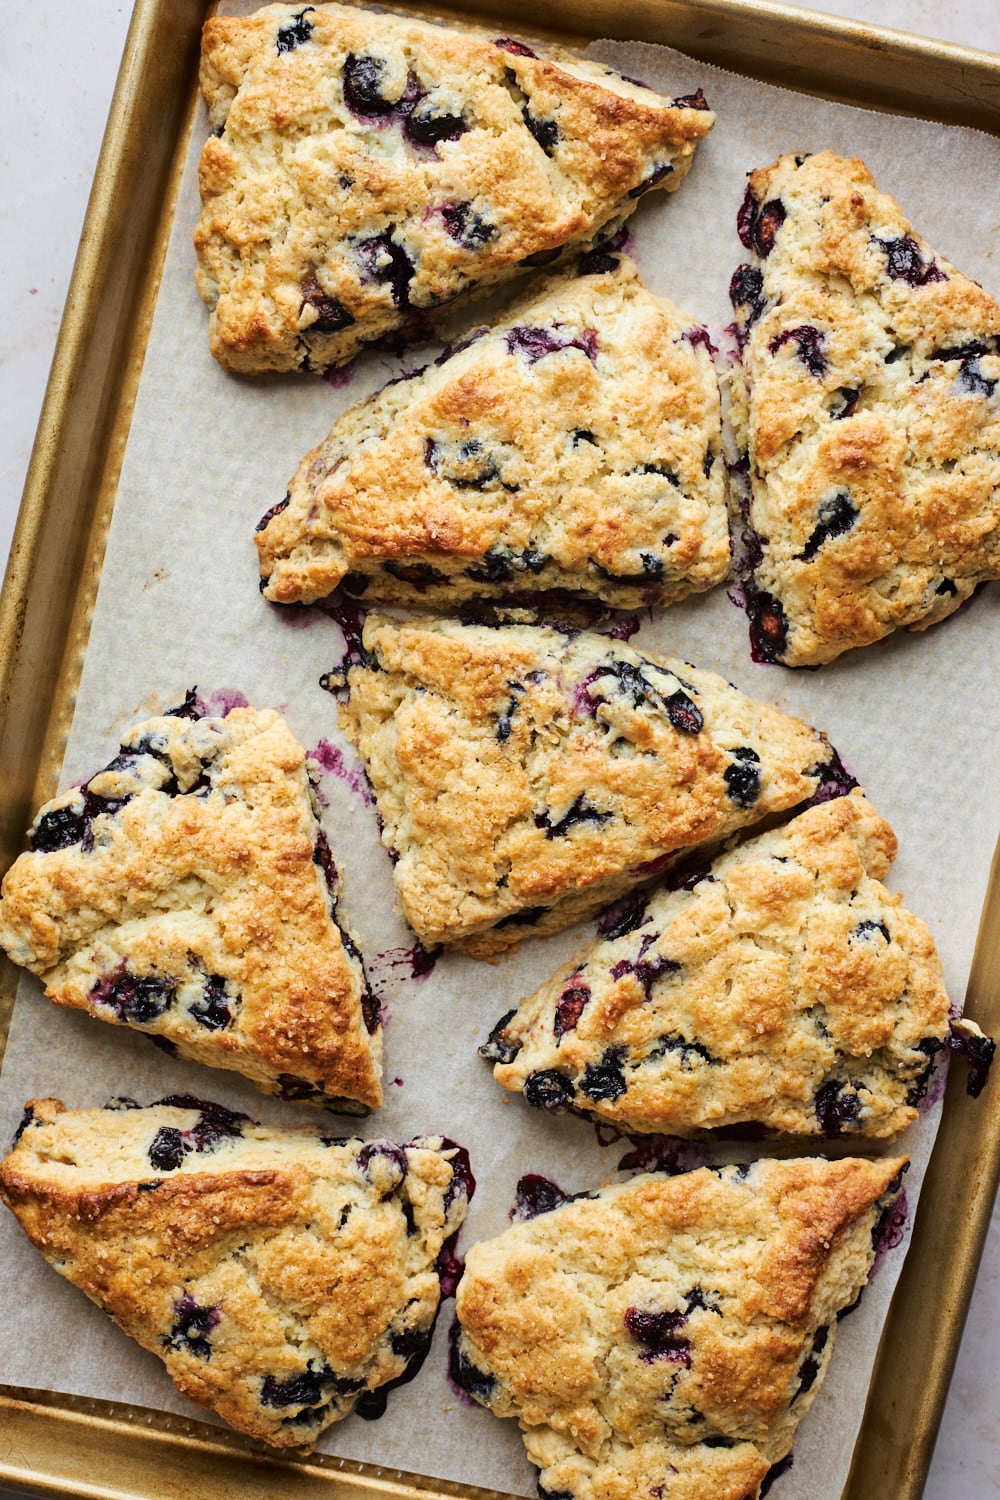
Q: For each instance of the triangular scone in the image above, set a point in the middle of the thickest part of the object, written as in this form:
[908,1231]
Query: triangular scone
[280,1275]
[365,168]
[525,776]
[573,446]
[783,985]
[866,404]
[665,1336]
[188,890]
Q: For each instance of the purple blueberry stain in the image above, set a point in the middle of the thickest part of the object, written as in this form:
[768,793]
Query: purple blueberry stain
[647,971]
[215,1007]
[533,344]
[570,1007]
[624,916]
[746,292]
[332,762]
[516,48]
[742,777]
[605,1080]
[167,1149]
[768,625]
[660,1336]
[473,1385]
[663,1153]
[297,31]
[191,1327]
[810,1366]
[837,515]
[838,1106]
[696,100]
[331,314]
[890,1230]
[386,263]
[499,1047]
[431,121]
[276,510]
[602,258]
[550,1090]
[364,77]
[536,1195]
[580,811]
[467,226]
[964,1039]
[383,1165]
[810,346]
[905,263]
[625,628]
[833,780]
[133,999]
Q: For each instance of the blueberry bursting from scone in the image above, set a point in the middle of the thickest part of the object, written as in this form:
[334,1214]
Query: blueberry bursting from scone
[526,776]
[364,169]
[866,405]
[665,1336]
[284,1277]
[188,890]
[573,446]
[783,986]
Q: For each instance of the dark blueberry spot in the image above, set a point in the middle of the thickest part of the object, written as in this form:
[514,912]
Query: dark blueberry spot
[768,626]
[774,1473]
[584,435]
[215,1123]
[836,516]
[718,1441]
[57,830]
[471,466]
[429,122]
[696,100]
[498,1047]
[972,379]
[835,780]
[467,226]
[625,628]
[363,77]
[946,586]
[683,715]
[387,263]
[569,1009]
[905,263]
[606,1079]
[537,1195]
[809,1368]
[930,1047]
[581,811]
[167,1149]
[463,1181]
[526,917]
[978,1051]
[323,858]
[351,620]
[505,719]
[292,1088]
[543,257]
[659,1335]
[742,777]
[660,171]
[809,346]
[845,399]
[218,130]
[866,928]
[214,1009]
[479,1384]
[532,344]
[837,1105]
[624,916]
[135,999]
[687,1050]
[420,576]
[707,1301]
[27,1119]
[646,970]
[275,510]
[302,1389]
[383,1151]
[191,1326]
[550,1090]
[331,317]
[298,31]
[545,132]
[745,217]
[191,708]
[509,44]
[450,1266]
[746,290]
[603,257]
[766,225]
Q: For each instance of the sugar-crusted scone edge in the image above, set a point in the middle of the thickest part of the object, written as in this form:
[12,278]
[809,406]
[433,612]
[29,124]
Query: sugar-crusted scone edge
[846,847]
[150,889]
[648,386]
[523,1313]
[122,1242]
[256,332]
[437,654]
[871,585]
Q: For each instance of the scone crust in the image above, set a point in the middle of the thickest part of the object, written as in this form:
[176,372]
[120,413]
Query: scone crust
[629,1326]
[866,404]
[325,226]
[526,773]
[198,904]
[573,445]
[278,1274]
[785,986]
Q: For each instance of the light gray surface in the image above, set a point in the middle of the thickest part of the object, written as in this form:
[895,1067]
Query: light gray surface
[57,74]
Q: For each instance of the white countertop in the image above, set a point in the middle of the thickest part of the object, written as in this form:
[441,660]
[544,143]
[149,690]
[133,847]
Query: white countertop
[54,99]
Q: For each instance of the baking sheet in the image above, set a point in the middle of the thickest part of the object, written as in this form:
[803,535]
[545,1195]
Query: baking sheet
[178,605]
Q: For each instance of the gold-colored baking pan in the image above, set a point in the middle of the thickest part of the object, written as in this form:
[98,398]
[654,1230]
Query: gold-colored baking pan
[63,1446]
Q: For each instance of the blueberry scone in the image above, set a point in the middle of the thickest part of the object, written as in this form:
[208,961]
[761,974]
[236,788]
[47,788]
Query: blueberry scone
[525,776]
[366,168]
[282,1276]
[665,1336]
[866,404]
[572,446]
[188,890]
[783,985]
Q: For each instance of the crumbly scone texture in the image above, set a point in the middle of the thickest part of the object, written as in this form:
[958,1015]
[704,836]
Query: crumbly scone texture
[365,169]
[866,404]
[783,985]
[188,890]
[525,775]
[281,1275]
[665,1336]
[574,445]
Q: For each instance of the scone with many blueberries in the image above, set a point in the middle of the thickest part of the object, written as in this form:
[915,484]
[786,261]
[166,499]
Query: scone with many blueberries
[366,168]
[282,1276]
[867,407]
[665,1336]
[574,445]
[188,890]
[782,986]
[525,776]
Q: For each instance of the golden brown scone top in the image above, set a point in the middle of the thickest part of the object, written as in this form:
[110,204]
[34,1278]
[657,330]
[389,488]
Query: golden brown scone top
[281,1275]
[188,890]
[526,775]
[867,405]
[365,168]
[670,1332]
[783,985]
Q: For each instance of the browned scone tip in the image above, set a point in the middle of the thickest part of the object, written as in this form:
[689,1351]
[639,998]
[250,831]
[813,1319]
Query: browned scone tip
[670,1326]
[366,168]
[283,1276]
[188,890]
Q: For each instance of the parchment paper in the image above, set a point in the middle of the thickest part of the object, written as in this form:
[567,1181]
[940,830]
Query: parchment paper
[208,453]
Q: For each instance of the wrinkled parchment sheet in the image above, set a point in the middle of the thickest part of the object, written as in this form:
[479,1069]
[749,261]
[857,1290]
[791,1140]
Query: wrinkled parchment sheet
[914,717]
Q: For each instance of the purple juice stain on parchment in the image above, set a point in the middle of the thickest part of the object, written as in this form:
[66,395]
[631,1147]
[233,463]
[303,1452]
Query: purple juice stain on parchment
[331,762]
[339,376]
[222,701]
[416,963]
[890,1231]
